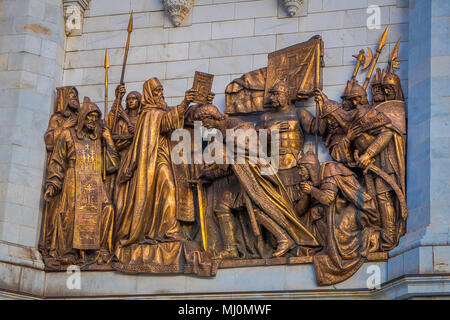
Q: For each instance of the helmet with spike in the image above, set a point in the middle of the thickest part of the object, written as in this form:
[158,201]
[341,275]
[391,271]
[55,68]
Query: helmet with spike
[310,161]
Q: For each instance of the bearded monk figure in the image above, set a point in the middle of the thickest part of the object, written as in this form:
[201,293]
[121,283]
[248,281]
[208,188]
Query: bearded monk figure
[84,215]
[149,235]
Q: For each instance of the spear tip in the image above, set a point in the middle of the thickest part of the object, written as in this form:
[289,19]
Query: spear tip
[106,66]
[130,23]
[382,41]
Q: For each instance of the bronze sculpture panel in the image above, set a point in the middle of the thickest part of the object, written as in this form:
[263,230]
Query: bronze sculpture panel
[118,197]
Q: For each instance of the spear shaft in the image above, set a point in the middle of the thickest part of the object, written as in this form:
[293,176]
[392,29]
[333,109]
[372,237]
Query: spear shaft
[127,48]
[124,65]
[381,44]
[106,66]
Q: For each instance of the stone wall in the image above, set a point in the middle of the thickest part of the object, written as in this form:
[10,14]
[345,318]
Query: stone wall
[426,246]
[225,38]
[31,57]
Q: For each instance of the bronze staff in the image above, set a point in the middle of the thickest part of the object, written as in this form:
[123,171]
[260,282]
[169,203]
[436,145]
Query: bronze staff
[361,57]
[317,86]
[381,44]
[106,66]
[124,65]
[127,48]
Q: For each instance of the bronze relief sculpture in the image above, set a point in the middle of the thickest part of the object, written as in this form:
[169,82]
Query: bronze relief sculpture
[152,213]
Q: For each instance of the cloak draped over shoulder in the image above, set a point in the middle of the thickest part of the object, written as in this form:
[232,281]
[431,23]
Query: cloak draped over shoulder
[146,204]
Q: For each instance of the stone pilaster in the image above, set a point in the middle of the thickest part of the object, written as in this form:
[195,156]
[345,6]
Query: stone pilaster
[425,248]
[31,57]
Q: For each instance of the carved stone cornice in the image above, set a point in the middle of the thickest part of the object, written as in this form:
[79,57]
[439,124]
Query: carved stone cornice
[178,10]
[73,16]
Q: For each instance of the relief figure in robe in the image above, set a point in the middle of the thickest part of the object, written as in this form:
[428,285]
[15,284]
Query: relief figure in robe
[122,124]
[65,116]
[148,236]
[291,128]
[352,222]
[267,196]
[84,214]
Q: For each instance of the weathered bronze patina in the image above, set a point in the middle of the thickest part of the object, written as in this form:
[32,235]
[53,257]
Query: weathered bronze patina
[117,199]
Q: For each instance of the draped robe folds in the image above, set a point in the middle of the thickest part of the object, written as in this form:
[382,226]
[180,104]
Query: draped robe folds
[54,130]
[266,192]
[62,176]
[148,235]
[122,140]
[387,117]
[352,221]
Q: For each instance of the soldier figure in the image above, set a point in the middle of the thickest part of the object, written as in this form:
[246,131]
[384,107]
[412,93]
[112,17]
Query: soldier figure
[272,208]
[377,88]
[291,138]
[392,87]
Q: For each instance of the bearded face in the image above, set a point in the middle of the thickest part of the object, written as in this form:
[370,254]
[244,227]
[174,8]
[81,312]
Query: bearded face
[389,91]
[377,93]
[158,96]
[74,103]
[278,99]
[304,173]
[92,120]
[347,104]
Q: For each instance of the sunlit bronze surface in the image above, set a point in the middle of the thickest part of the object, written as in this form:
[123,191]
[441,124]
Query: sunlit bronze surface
[150,215]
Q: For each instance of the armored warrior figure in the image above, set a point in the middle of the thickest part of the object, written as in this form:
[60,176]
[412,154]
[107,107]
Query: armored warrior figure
[267,198]
[377,88]
[378,135]
[392,87]
[291,128]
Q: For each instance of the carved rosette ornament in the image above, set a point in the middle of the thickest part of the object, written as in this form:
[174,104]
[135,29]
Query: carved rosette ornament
[292,6]
[178,10]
